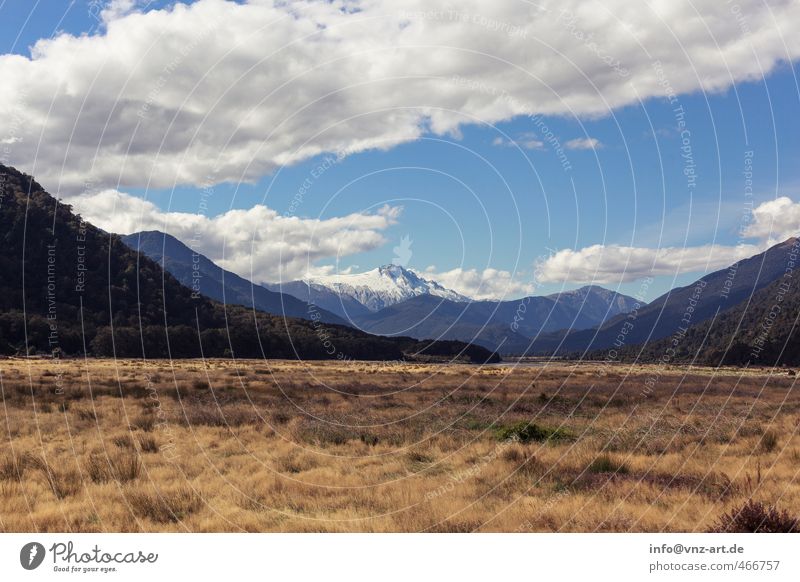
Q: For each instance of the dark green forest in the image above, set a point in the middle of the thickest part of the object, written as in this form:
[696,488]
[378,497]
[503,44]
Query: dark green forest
[759,331]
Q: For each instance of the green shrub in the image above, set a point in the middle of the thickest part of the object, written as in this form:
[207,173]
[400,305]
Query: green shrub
[605,464]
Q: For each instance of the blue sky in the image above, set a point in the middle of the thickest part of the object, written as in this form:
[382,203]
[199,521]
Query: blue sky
[471,201]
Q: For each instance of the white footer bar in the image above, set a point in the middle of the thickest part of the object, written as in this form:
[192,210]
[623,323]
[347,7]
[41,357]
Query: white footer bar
[390,557]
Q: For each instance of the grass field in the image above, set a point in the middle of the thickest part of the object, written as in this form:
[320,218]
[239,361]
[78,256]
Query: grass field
[286,446]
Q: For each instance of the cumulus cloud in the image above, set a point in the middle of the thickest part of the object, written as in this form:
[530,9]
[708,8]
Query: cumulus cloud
[258,243]
[165,96]
[583,143]
[116,9]
[771,222]
[776,220]
[488,284]
[614,263]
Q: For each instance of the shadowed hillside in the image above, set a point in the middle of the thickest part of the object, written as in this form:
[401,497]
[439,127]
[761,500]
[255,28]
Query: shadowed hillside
[679,308]
[206,277]
[761,330]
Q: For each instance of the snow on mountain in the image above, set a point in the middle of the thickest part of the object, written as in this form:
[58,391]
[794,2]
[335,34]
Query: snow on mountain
[384,286]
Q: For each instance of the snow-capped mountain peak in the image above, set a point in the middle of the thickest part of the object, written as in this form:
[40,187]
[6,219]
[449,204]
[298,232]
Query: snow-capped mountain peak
[384,286]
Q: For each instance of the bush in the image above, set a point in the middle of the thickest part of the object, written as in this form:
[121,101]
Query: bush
[526,432]
[12,469]
[123,441]
[86,414]
[527,464]
[126,467]
[755,517]
[122,467]
[514,454]
[323,434]
[145,422]
[369,439]
[62,483]
[148,444]
[419,458]
[165,507]
[605,464]
[769,441]
[97,468]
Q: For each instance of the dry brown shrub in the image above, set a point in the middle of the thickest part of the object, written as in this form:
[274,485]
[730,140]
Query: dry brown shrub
[145,422]
[12,468]
[165,506]
[148,444]
[87,414]
[757,517]
[122,467]
[62,482]
[124,441]
[769,441]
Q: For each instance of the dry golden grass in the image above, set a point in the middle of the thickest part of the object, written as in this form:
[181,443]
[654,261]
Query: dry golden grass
[352,446]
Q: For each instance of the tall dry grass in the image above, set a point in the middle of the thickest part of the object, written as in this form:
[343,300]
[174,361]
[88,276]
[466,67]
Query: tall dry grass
[334,446]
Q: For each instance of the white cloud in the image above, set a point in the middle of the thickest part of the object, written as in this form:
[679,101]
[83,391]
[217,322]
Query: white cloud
[771,222]
[603,264]
[526,141]
[169,95]
[116,9]
[583,143]
[776,220]
[258,243]
[490,284]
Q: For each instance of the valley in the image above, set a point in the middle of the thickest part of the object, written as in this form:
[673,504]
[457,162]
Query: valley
[252,445]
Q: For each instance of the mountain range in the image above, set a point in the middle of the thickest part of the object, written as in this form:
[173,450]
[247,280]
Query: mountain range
[392,300]
[69,288]
[203,276]
[372,290]
[714,320]
[505,326]
[679,308]
[73,288]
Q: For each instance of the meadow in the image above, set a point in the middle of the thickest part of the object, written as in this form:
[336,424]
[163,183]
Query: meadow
[252,445]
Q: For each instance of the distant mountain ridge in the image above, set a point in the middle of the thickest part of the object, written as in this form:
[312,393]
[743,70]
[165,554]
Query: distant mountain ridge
[343,306]
[507,326]
[383,286]
[392,300]
[202,275]
[715,320]
[595,302]
[713,293]
[428,313]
